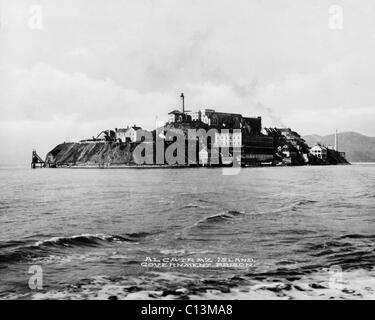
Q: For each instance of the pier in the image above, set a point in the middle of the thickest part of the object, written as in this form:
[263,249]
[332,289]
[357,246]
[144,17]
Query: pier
[36,161]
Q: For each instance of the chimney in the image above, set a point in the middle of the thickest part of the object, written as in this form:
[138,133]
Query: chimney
[336,142]
[183,102]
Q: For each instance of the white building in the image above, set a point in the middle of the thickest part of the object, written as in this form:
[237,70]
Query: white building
[132,134]
[120,134]
[176,116]
[319,151]
[203,157]
[205,115]
[194,115]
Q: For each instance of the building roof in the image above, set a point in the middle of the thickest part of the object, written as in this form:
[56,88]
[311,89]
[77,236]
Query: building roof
[319,146]
[229,114]
[128,128]
[175,112]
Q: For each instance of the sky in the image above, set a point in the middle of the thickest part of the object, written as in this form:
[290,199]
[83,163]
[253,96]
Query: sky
[70,69]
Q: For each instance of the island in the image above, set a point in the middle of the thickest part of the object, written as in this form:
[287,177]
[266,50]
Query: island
[204,138]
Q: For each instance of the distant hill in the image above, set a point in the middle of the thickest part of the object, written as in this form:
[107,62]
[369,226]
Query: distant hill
[358,147]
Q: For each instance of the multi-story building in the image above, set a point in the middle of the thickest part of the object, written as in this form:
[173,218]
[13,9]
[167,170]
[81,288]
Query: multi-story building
[319,151]
[121,134]
[132,134]
[194,115]
[176,116]
[252,126]
[257,148]
[220,119]
[234,130]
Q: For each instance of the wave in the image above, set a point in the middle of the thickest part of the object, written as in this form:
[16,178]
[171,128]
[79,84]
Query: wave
[205,201]
[345,253]
[315,247]
[358,236]
[139,235]
[11,243]
[304,202]
[19,254]
[190,206]
[219,218]
[300,204]
[82,240]
[366,194]
[294,206]
[15,251]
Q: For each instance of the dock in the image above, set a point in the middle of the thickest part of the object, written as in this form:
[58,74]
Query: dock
[36,161]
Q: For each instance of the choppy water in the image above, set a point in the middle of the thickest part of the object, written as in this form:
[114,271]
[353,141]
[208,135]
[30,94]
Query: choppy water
[93,231]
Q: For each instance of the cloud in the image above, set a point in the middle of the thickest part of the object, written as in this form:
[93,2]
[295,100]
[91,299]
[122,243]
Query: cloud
[44,93]
[82,53]
[338,89]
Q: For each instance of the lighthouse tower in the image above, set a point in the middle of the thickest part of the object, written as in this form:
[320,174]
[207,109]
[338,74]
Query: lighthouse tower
[336,141]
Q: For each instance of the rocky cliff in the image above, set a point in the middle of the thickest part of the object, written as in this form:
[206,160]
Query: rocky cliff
[98,153]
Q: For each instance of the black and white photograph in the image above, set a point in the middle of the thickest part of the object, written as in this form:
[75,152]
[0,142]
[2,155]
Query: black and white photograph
[187,151]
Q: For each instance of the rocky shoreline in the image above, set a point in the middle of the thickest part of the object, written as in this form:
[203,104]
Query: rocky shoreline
[119,155]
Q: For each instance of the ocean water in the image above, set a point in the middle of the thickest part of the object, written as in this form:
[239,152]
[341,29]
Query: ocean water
[266,233]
